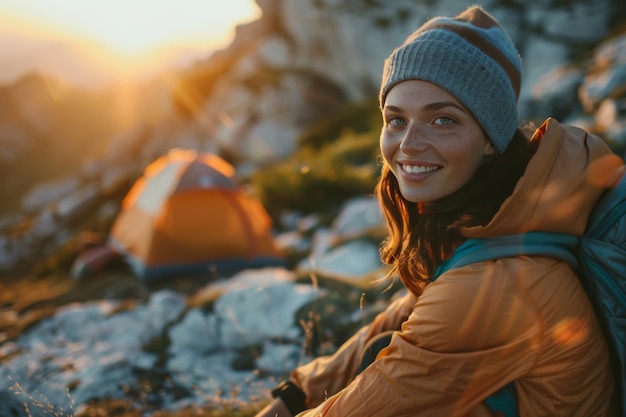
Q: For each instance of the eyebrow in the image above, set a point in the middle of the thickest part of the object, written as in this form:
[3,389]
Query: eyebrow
[437,105]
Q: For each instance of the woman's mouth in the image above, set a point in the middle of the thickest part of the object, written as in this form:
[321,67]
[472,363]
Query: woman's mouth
[418,169]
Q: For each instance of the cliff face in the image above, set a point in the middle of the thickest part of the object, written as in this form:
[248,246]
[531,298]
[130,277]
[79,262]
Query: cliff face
[307,58]
[299,64]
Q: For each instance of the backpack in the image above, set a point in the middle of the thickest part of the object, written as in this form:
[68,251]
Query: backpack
[599,256]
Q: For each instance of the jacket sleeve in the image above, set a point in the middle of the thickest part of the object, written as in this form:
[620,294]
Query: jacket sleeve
[327,375]
[470,333]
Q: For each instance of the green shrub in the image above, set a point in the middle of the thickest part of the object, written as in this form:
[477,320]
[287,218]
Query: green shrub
[319,181]
[336,159]
[358,118]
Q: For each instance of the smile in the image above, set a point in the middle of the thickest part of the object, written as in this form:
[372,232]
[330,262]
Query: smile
[418,169]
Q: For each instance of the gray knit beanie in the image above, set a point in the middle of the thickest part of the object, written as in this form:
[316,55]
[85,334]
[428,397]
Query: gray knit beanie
[472,58]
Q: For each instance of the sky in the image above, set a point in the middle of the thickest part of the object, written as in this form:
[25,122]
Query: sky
[131,30]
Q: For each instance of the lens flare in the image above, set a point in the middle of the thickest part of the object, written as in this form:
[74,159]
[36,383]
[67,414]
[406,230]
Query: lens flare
[570,331]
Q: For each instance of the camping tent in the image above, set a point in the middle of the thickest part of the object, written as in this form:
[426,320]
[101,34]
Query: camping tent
[186,214]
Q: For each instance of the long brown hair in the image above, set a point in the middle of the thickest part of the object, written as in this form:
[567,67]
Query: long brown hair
[421,236]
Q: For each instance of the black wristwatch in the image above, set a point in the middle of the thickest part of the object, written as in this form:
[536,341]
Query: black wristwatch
[292,396]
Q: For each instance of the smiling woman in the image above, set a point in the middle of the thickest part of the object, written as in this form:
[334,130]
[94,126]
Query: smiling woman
[138,26]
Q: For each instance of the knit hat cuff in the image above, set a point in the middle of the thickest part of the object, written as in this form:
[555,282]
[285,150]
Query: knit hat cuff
[453,64]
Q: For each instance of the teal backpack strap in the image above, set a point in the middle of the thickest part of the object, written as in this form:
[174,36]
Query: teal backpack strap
[608,211]
[557,245]
[504,401]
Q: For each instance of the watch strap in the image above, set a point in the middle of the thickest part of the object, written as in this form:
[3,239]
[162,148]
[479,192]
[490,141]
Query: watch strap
[291,395]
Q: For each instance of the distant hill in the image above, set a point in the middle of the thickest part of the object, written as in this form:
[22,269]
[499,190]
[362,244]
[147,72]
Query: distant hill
[62,102]
[85,65]
[49,129]
[63,60]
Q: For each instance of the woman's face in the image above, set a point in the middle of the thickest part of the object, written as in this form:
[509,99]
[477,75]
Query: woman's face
[431,142]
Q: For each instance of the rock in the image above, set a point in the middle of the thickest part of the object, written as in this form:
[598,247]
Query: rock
[47,193]
[84,351]
[274,52]
[360,217]
[590,19]
[197,332]
[607,75]
[279,358]
[293,242]
[554,93]
[322,242]
[164,308]
[544,56]
[255,314]
[356,263]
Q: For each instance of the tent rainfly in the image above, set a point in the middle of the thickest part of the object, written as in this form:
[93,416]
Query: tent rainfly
[186,214]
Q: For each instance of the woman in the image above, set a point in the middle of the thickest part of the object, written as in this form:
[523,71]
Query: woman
[456,166]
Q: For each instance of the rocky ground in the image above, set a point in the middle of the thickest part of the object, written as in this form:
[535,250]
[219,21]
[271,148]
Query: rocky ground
[215,344]
[27,302]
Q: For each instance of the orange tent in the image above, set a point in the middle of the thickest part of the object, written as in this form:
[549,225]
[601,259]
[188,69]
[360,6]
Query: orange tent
[187,214]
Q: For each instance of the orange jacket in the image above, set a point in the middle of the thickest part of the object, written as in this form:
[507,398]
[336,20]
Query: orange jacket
[482,326]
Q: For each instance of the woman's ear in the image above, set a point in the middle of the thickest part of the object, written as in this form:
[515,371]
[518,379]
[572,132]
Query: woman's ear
[489,148]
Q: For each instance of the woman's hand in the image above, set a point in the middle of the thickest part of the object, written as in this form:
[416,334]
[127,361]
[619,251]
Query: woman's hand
[276,408]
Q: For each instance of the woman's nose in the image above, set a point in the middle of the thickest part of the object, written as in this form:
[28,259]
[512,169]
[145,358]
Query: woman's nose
[414,140]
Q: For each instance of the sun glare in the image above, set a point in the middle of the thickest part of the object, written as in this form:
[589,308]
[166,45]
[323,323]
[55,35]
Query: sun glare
[132,27]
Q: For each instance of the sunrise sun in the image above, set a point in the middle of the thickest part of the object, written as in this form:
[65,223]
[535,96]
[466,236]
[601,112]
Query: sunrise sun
[134,27]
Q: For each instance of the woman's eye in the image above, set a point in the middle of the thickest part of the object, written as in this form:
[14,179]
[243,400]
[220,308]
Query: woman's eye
[396,121]
[443,121]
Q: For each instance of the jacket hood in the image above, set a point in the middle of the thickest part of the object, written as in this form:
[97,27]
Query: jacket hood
[560,185]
